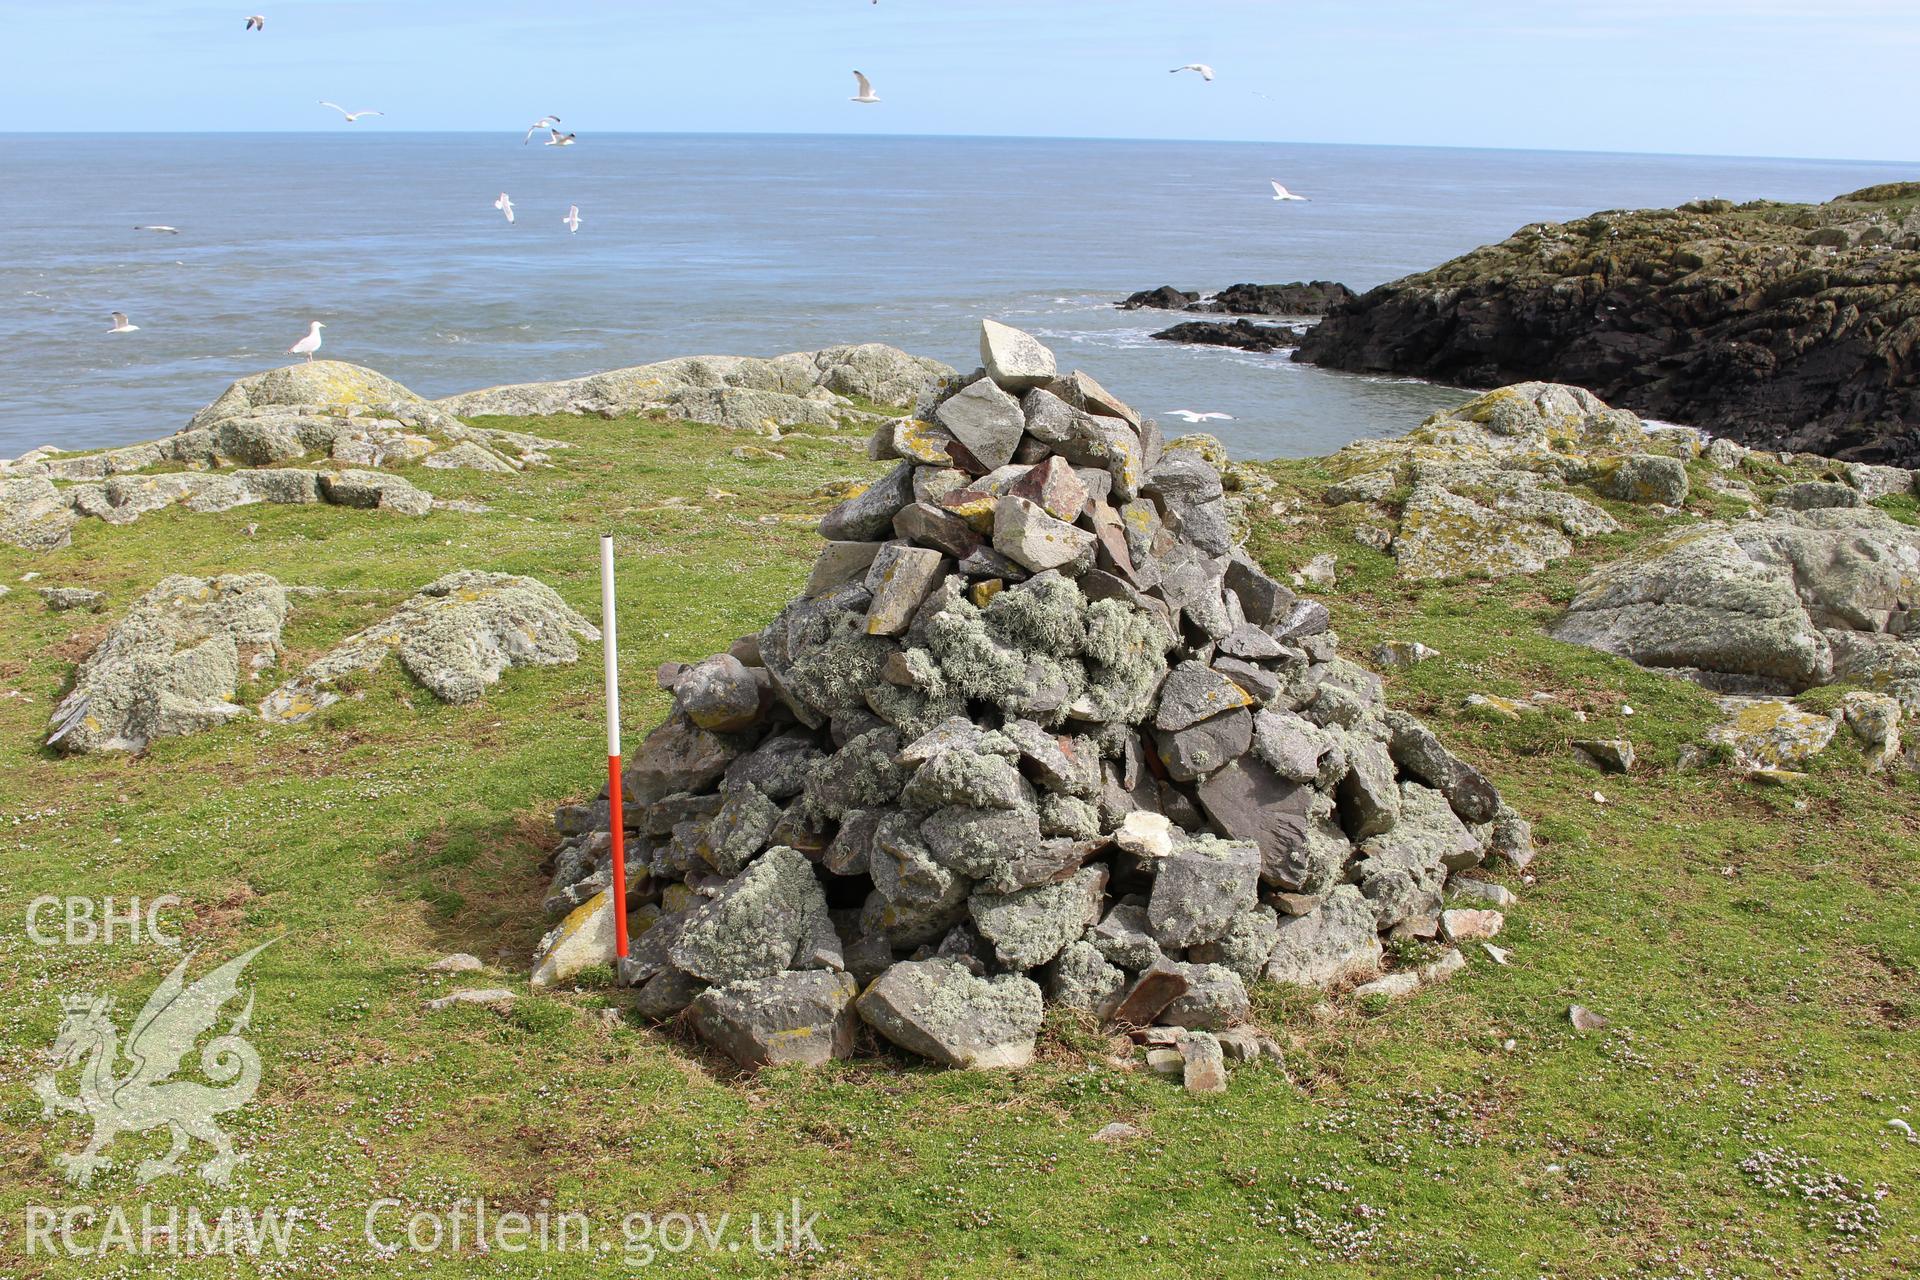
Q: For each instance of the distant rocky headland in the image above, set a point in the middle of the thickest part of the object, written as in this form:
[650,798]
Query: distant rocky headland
[1782,326]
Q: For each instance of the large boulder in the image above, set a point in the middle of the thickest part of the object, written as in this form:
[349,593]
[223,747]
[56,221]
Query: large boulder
[172,665]
[1764,600]
[455,637]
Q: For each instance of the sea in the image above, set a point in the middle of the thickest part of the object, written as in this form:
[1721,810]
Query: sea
[708,244]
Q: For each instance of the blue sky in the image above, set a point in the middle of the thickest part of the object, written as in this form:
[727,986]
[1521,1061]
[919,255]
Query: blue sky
[1817,78]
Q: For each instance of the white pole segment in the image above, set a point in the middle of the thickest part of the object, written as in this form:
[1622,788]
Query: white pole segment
[609,645]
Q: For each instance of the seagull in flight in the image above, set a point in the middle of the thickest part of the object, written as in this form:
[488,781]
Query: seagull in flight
[866,93]
[161,228]
[555,138]
[1191,418]
[505,205]
[121,325]
[256,23]
[309,344]
[351,115]
[1281,193]
[544,122]
[572,219]
[1206,72]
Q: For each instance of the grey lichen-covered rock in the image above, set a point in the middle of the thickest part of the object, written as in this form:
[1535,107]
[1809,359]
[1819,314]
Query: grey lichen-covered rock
[803,1018]
[868,515]
[761,923]
[172,665]
[1338,941]
[1030,927]
[374,489]
[1198,750]
[939,1010]
[34,514]
[1125,938]
[1027,535]
[455,637]
[61,599]
[1762,600]
[1215,999]
[1416,749]
[1402,870]
[986,421]
[1081,978]
[742,392]
[1246,945]
[1647,477]
[720,694]
[1199,890]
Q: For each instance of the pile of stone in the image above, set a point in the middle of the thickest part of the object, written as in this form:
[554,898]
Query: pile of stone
[1035,733]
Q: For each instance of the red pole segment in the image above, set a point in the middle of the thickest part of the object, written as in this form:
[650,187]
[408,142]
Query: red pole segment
[615,823]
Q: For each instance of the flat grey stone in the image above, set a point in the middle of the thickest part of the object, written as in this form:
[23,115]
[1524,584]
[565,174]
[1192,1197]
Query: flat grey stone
[805,1018]
[939,1010]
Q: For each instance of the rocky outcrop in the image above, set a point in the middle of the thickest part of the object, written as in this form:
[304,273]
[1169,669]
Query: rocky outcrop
[1241,335]
[455,637]
[1490,489]
[807,388]
[307,433]
[1776,603]
[1781,325]
[1035,732]
[1301,298]
[173,665]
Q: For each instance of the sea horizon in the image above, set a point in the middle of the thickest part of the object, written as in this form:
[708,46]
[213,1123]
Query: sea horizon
[478,131]
[748,244]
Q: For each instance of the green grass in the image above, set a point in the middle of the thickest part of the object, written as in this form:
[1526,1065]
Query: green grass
[1755,949]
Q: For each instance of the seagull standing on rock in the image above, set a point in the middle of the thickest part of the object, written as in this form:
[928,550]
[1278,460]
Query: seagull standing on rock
[120,324]
[309,344]
[505,205]
[1281,193]
[1206,72]
[866,93]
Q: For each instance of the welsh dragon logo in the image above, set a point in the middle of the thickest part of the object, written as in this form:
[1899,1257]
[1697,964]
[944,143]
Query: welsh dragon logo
[143,1096]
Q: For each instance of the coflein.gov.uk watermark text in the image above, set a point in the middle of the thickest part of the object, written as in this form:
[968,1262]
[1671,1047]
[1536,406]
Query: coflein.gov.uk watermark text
[390,1228]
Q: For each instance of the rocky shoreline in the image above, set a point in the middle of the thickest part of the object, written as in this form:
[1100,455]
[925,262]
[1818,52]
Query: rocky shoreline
[1782,326]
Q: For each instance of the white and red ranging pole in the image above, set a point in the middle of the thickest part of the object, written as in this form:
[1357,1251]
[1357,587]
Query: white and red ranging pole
[615,824]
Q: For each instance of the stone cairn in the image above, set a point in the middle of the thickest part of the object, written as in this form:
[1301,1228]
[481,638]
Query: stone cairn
[1035,732]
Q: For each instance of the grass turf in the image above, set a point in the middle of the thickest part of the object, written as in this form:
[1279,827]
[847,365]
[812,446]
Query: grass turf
[1754,948]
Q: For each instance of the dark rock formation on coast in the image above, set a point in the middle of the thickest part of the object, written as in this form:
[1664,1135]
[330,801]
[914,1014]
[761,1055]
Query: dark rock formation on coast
[1783,326]
[1242,335]
[1301,298]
